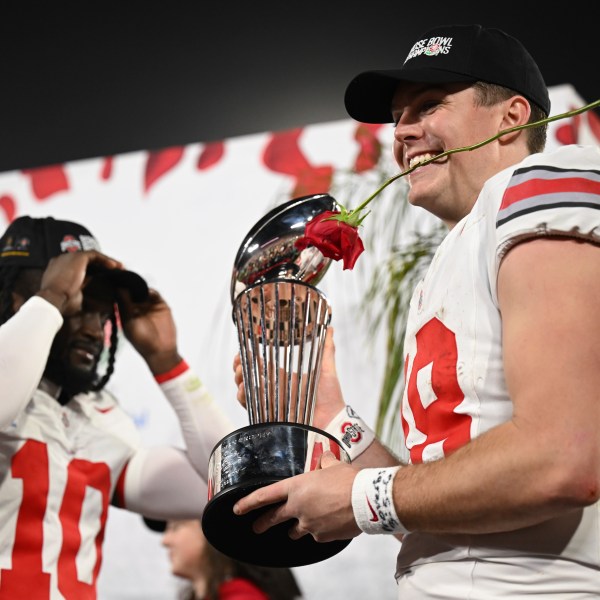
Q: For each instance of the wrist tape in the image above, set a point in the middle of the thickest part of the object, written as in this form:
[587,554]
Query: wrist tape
[373,502]
[351,431]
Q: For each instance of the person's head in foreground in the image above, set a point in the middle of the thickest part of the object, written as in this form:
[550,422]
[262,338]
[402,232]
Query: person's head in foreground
[213,575]
[459,85]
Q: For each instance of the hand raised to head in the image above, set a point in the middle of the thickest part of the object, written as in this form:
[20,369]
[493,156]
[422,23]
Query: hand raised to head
[150,327]
[65,276]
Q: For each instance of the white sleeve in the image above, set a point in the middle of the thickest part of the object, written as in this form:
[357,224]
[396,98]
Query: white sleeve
[161,483]
[25,342]
[551,194]
[202,422]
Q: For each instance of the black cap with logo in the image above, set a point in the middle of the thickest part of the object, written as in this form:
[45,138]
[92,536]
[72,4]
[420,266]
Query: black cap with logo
[454,53]
[32,242]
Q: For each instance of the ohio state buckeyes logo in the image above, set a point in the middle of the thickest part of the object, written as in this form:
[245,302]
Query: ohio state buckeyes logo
[70,244]
[352,433]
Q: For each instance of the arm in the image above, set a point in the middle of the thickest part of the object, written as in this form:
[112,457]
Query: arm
[546,459]
[331,411]
[166,482]
[161,483]
[202,422]
[25,341]
[150,328]
[543,462]
[332,516]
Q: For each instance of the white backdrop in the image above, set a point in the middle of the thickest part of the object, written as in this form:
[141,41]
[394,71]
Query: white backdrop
[178,216]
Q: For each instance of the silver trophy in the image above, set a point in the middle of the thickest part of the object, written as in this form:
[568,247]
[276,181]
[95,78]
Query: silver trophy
[281,320]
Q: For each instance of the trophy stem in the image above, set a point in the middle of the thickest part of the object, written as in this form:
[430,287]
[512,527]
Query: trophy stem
[316,359]
[281,330]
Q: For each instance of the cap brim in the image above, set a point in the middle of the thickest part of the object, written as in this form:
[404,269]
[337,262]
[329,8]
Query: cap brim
[122,279]
[369,95]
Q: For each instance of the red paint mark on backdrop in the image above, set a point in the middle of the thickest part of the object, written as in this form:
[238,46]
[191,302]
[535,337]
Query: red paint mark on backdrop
[107,167]
[370,146]
[8,207]
[283,154]
[594,123]
[569,132]
[211,154]
[47,181]
[159,163]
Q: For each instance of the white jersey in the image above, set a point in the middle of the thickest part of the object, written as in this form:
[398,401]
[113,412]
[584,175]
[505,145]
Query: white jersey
[60,467]
[455,387]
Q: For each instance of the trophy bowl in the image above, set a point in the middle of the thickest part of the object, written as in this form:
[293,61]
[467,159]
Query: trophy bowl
[281,320]
[269,252]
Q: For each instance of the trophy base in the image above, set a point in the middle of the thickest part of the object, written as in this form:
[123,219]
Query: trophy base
[251,458]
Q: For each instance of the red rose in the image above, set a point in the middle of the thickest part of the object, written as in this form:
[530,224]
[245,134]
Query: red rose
[335,239]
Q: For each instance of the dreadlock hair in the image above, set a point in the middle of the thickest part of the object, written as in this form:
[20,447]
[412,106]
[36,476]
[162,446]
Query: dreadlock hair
[112,353]
[26,282]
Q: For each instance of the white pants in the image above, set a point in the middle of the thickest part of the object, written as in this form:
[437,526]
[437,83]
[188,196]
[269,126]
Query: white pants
[521,579]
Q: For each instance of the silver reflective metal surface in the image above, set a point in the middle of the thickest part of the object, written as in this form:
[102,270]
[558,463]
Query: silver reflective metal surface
[281,328]
[282,320]
[248,459]
[268,251]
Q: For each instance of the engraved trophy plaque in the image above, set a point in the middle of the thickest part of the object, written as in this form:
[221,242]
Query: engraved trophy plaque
[281,320]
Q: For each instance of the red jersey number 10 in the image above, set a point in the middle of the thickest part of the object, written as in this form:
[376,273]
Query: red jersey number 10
[26,578]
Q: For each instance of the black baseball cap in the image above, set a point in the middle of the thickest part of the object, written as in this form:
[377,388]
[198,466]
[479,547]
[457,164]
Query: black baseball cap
[30,242]
[453,53]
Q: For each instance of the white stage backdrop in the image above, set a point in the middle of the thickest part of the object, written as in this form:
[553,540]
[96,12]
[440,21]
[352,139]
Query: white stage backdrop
[178,216]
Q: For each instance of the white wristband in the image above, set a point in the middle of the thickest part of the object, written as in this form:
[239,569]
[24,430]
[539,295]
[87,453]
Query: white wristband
[373,502]
[351,431]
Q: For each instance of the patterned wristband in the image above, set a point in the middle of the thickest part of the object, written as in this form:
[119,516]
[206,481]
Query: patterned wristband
[351,431]
[373,503]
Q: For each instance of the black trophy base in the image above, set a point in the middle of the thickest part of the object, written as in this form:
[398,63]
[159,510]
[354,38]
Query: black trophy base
[251,458]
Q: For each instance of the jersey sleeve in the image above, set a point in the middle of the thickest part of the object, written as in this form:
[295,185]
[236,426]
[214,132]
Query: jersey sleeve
[166,482]
[25,342]
[202,422]
[551,195]
[161,483]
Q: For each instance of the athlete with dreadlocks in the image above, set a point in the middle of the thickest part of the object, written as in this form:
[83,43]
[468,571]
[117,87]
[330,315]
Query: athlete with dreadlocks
[67,449]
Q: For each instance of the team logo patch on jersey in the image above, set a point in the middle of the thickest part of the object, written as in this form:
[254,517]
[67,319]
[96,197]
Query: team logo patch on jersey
[541,188]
